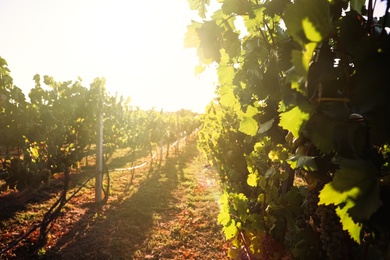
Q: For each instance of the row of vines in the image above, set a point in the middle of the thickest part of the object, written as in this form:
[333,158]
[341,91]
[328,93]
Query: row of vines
[300,127]
[57,127]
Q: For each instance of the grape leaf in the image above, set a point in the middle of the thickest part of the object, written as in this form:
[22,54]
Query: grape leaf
[317,16]
[224,214]
[264,127]
[310,31]
[240,204]
[231,6]
[236,6]
[248,126]
[191,39]
[223,218]
[354,186]
[293,119]
[230,230]
[353,228]
[225,74]
[210,35]
[251,23]
[252,179]
[199,69]
[200,6]
[232,44]
[227,97]
[303,162]
[251,111]
[301,61]
[320,131]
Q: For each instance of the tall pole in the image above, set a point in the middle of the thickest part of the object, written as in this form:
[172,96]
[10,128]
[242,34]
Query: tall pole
[99,160]
[99,148]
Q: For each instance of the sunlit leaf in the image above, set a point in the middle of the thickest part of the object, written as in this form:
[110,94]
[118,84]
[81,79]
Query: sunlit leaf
[301,60]
[248,126]
[251,111]
[317,19]
[227,97]
[310,31]
[191,38]
[252,179]
[354,186]
[199,69]
[200,6]
[293,119]
[225,74]
[252,23]
[230,230]
[210,35]
[240,204]
[354,229]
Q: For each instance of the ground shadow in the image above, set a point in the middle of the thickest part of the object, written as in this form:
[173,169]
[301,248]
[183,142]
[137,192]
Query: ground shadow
[17,201]
[125,225]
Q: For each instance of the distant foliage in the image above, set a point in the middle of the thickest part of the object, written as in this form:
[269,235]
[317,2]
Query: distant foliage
[57,127]
[300,128]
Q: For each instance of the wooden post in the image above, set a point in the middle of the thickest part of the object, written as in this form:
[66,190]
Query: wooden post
[99,142]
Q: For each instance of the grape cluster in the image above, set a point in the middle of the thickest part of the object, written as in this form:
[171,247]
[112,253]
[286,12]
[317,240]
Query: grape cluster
[331,232]
[312,200]
[270,248]
[301,221]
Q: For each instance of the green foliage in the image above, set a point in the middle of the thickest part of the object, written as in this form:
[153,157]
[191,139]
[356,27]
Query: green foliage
[302,94]
[58,127]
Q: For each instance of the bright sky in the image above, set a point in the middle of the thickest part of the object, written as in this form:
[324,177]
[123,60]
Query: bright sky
[136,45]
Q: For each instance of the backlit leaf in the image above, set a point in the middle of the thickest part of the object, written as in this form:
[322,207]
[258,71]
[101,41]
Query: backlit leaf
[293,119]
[225,74]
[230,230]
[200,6]
[305,17]
[353,228]
[248,126]
[191,38]
[232,44]
[355,190]
[310,31]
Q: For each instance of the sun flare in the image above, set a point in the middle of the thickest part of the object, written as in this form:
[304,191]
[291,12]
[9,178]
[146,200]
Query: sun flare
[138,48]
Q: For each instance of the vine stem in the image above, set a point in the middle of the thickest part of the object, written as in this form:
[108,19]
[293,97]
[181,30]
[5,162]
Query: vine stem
[247,250]
[331,99]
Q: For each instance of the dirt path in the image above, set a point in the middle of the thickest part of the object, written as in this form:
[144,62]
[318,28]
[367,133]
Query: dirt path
[170,214]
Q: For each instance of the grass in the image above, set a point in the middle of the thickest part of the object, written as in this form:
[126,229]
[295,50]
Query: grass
[166,213]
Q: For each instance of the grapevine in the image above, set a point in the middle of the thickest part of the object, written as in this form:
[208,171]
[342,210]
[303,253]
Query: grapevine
[299,129]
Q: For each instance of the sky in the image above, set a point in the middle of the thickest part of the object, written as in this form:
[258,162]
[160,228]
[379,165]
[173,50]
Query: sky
[137,46]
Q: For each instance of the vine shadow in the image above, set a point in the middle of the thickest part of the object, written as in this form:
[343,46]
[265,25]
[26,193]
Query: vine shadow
[125,227]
